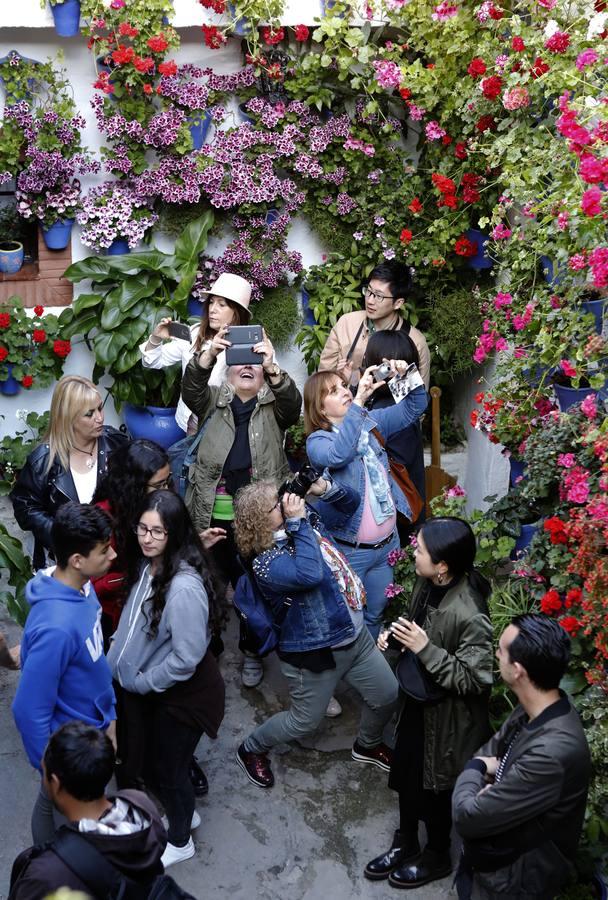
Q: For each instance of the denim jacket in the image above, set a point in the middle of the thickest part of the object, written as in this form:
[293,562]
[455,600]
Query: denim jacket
[337,451]
[293,572]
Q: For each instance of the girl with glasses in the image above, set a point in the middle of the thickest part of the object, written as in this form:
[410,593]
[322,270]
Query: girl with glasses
[168,685]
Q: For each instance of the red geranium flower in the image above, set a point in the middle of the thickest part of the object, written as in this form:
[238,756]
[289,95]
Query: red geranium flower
[213,37]
[148,89]
[415,206]
[464,247]
[556,529]
[158,44]
[5,320]
[558,42]
[449,200]
[460,150]
[550,602]
[27,381]
[539,67]
[39,336]
[269,36]
[39,310]
[143,64]
[517,44]
[491,87]
[62,348]
[126,30]
[3,354]
[168,68]
[405,236]
[443,184]
[571,625]
[123,55]
[485,123]
[405,93]
[477,67]
[301,32]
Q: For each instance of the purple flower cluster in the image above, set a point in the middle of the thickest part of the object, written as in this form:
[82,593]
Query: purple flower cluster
[174,180]
[50,206]
[230,84]
[188,94]
[345,204]
[163,128]
[113,210]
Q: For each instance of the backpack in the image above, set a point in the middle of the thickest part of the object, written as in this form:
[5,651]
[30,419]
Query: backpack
[260,628]
[182,455]
[104,881]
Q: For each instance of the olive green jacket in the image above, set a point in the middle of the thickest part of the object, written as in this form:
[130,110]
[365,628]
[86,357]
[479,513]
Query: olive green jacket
[277,408]
[459,656]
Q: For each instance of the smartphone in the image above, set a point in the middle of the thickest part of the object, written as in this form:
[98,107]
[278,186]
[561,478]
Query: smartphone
[242,338]
[180,330]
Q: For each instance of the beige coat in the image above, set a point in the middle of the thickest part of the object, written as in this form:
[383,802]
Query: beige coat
[344,332]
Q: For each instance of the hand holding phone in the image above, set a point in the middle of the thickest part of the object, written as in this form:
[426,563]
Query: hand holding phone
[180,330]
[243,339]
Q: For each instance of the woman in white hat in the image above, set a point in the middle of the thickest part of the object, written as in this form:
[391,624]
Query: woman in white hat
[227,304]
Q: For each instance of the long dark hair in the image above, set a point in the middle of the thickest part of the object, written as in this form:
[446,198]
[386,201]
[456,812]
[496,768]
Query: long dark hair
[388,344]
[183,546]
[451,540]
[130,469]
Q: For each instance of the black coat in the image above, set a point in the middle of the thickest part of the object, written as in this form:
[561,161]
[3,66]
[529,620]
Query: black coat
[38,494]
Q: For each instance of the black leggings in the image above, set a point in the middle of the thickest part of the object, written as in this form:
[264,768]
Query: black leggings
[435,810]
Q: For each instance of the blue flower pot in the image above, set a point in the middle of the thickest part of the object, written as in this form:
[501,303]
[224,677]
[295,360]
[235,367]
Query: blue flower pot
[271,216]
[118,247]
[10,386]
[535,374]
[67,18]
[309,316]
[568,396]
[241,26]
[245,116]
[597,307]
[11,257]
[481,260]
[195,307]
[199,127]
[523,541]
[516,470]
[156,423]
[57,236]
[552,276]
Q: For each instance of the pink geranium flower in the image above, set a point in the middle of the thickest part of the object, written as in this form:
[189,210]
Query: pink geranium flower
[567,368]
[591,202]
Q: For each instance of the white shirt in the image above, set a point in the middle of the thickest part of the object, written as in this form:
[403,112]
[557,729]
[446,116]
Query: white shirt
[85,483]
[176,350]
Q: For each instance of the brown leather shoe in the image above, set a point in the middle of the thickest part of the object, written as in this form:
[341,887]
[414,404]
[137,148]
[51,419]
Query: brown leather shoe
[256,767]
[380,755]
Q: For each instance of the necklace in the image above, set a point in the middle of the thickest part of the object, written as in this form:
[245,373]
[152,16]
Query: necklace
[89,463]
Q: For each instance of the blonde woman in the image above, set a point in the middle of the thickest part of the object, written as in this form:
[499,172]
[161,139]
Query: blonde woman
[227,304]
[68,464]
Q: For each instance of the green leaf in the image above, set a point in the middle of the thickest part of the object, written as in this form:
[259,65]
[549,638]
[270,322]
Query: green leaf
[81,324]
[108,347]
[133,289]
[86,301]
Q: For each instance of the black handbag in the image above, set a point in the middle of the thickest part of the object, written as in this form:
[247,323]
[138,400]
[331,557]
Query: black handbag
[415,681]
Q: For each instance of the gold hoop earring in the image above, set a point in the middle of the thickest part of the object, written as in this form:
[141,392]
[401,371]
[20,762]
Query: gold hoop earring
[439,578]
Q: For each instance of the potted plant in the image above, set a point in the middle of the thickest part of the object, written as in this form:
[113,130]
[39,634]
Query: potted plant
[32,348]
[128,295]
[582,374]
[112,212]
[15,450]
[19,568]
[13,236]
[66,15]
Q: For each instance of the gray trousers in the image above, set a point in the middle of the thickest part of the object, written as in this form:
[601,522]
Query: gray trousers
[363,667]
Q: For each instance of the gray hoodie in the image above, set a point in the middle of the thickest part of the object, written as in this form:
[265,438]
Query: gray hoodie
[141,663]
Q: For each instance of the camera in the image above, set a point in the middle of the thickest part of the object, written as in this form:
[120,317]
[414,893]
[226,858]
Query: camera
[300,483]
[383,372]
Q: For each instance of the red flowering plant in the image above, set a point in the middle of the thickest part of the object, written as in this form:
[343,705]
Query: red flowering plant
[32,350]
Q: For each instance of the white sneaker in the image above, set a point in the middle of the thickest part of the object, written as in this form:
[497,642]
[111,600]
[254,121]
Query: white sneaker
[253,671]
[196,821]
[175,854]
[333,709]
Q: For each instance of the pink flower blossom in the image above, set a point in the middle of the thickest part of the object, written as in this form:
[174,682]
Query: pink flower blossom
[598,261]
[562,220]
[589,407]
[591,202]
[434,131]
[548,4]
[516,98]
[502,299]
[558,42]
[388,74]
[592,170]
[415,112]
[567,368]
[501,232]
[586,58]
[501,344]
[444,11]
[578,493]
[394,556]
[577,262]
[393,590]
[567,460]
[455,491]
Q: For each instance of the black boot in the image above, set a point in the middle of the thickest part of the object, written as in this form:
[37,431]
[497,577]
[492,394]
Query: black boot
[198,779]
[429,866]
[403,849]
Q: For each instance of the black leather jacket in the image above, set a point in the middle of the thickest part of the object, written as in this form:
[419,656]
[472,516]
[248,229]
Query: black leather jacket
[38,494]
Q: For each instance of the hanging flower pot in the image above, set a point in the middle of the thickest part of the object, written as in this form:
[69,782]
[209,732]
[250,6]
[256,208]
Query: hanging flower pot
[118,247]
[516,471]
[481,260]
[57,236]
[199,128]
[568,396]
[10,386]
[240,26]
[309,316]
[11,256]
[552,275]
[67,17]
[597,307]
[156,423]
[244,114]
[195,307]
[271,216]
[523,541]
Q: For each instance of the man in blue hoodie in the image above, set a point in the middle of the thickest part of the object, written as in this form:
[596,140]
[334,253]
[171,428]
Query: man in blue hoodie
[65,675]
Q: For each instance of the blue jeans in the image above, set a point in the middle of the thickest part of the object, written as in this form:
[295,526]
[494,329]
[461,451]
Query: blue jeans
[374,571]
[363,667]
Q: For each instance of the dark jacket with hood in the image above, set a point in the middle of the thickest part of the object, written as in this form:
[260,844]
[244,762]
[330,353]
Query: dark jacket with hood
[38,494]
[38,872]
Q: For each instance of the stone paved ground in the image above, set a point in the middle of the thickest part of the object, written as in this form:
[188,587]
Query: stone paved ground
[307,839]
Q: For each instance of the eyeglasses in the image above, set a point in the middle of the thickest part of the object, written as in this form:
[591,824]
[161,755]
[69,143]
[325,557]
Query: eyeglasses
[276,506]
[160,485]
[156,533]
[367,292]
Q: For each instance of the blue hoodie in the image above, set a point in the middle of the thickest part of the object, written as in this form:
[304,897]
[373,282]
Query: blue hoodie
[65,675]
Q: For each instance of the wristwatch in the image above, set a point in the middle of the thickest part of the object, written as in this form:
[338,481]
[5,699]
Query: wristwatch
[273,372]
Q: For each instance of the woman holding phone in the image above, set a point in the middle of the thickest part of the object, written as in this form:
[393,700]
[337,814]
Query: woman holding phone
[341,438]
[227,304]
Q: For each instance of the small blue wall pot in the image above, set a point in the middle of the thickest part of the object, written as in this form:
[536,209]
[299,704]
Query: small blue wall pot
[67,18]
[57,236]
[10,386]
[118,247]
[11,257]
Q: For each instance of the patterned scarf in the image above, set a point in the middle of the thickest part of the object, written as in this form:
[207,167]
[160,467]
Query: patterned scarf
[380,499]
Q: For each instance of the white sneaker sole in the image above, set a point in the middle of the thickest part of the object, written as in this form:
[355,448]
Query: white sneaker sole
[173,855]
[265,787]
[370,762]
